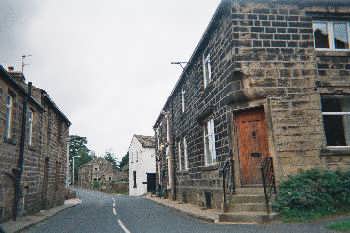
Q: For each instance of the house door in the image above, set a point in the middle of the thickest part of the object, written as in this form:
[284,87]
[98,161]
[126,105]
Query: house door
[151,182]
[252,145]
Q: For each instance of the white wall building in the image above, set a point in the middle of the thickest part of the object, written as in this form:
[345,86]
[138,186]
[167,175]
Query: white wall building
[142,165]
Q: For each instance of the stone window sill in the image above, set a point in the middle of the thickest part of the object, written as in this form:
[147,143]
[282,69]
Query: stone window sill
[209,167]
[333,53]
[329,151]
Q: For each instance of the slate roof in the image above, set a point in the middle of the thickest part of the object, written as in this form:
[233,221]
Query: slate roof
[146,141]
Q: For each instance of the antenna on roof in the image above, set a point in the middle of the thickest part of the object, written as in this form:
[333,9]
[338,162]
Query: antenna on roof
[180,63]
[23,58]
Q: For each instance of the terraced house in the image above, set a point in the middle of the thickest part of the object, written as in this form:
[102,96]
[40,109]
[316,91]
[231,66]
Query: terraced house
[33,156]
[265,94]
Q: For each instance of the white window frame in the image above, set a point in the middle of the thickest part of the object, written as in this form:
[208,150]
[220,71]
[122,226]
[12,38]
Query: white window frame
[179,155]
[185,153]
[183,107]
[30,126]
[9,113]
[209,134]
[337,114]
[207,70]
[330,29]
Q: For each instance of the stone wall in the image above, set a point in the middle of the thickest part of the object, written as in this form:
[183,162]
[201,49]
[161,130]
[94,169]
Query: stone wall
[32,184]
[262,55]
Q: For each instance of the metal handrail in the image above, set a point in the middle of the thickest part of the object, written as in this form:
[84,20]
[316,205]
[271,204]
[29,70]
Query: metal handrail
[269,181]
[228,183]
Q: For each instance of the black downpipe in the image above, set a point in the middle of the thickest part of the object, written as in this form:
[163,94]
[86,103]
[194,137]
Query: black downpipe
[19,170]
[173,148]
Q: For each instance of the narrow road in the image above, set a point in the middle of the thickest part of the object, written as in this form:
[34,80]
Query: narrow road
[105,213]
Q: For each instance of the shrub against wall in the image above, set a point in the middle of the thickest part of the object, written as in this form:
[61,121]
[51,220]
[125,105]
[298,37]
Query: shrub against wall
[313,194]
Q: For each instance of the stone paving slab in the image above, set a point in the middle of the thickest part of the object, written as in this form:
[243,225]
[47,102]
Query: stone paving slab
[208,215]
[25,222]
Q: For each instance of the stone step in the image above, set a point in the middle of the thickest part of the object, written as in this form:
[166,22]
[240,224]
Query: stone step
[247,217]
[249,207]
[259,190]
[248,198]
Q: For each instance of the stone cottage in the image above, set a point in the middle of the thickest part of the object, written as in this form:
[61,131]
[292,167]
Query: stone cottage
[101,171]
[43,144]
[142,165]
[265,94]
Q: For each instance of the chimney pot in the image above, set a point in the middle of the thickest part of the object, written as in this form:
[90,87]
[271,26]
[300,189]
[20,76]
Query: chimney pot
[10,68]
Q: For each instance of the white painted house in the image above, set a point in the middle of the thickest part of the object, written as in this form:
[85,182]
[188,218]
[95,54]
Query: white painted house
[142,165]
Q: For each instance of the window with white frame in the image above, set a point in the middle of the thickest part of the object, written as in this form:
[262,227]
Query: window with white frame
[183,92]
[206,69]
[9,112]
[336,120]
[185,153]
[30,127]
[332,35]
[209,143]
[179,155]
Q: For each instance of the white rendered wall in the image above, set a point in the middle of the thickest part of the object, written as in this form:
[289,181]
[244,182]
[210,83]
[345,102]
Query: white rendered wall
[143,161]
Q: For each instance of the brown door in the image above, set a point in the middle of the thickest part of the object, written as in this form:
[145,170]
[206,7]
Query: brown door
[252,145]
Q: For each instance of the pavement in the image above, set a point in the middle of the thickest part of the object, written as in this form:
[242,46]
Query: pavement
[106,213]
[25,222]
[208,215]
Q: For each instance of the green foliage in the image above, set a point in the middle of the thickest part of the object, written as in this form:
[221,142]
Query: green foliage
[96,184]
[124,162]
[78,147]
[111,157]
[312,194]
[343,226]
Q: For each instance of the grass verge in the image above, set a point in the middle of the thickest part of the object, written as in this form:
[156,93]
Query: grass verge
[343,226]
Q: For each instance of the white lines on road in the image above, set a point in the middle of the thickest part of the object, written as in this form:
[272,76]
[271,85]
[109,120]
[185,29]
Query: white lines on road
[126,230]
[120,223]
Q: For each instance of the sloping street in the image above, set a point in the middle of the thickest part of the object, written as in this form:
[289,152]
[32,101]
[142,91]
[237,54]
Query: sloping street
[137,215]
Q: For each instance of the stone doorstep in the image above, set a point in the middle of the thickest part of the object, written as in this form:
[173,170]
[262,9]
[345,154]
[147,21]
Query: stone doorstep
[25,222]
[215,216]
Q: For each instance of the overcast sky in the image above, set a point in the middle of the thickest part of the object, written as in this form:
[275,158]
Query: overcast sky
[106,63]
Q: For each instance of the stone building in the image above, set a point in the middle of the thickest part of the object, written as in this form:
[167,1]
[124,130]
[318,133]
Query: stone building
[101,171]
[142,165]
[268,81]
[45,147]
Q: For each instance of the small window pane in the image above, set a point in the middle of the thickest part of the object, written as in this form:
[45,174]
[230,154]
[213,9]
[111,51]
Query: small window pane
[341,40]
[321,35]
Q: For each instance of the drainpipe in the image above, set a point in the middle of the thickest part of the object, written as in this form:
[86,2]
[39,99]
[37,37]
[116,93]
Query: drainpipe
[19,170]
[172,157]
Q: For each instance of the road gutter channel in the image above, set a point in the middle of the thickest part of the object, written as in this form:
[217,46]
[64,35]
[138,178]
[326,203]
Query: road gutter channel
[120,223]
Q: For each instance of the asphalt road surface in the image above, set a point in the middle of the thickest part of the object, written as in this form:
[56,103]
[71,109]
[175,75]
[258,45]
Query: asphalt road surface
[105,213]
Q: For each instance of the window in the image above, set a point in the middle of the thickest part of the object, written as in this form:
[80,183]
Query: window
[336,119]
[206,70]
[180,154]
[30,127]
[209,143]
[134,178]
[137,156]
[185,153]
[9,112]
[183,92]
[332,35]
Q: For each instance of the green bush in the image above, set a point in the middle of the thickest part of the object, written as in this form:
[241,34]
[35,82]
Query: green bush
[313,194]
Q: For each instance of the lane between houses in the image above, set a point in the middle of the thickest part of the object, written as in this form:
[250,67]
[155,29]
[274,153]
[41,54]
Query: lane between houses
[104,213]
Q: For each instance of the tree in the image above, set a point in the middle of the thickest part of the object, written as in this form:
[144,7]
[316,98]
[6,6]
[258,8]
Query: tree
[125,161]
[111,157]
[78,147]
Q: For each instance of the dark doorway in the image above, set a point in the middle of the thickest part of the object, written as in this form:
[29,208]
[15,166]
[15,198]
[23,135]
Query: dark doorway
[151,182]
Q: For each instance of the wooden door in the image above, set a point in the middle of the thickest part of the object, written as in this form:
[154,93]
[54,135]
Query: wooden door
[252,145]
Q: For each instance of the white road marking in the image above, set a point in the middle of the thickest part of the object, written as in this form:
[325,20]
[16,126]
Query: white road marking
[114,211]
[126,230]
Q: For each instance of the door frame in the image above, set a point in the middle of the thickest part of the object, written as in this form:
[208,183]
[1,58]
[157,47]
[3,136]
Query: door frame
[265,106]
